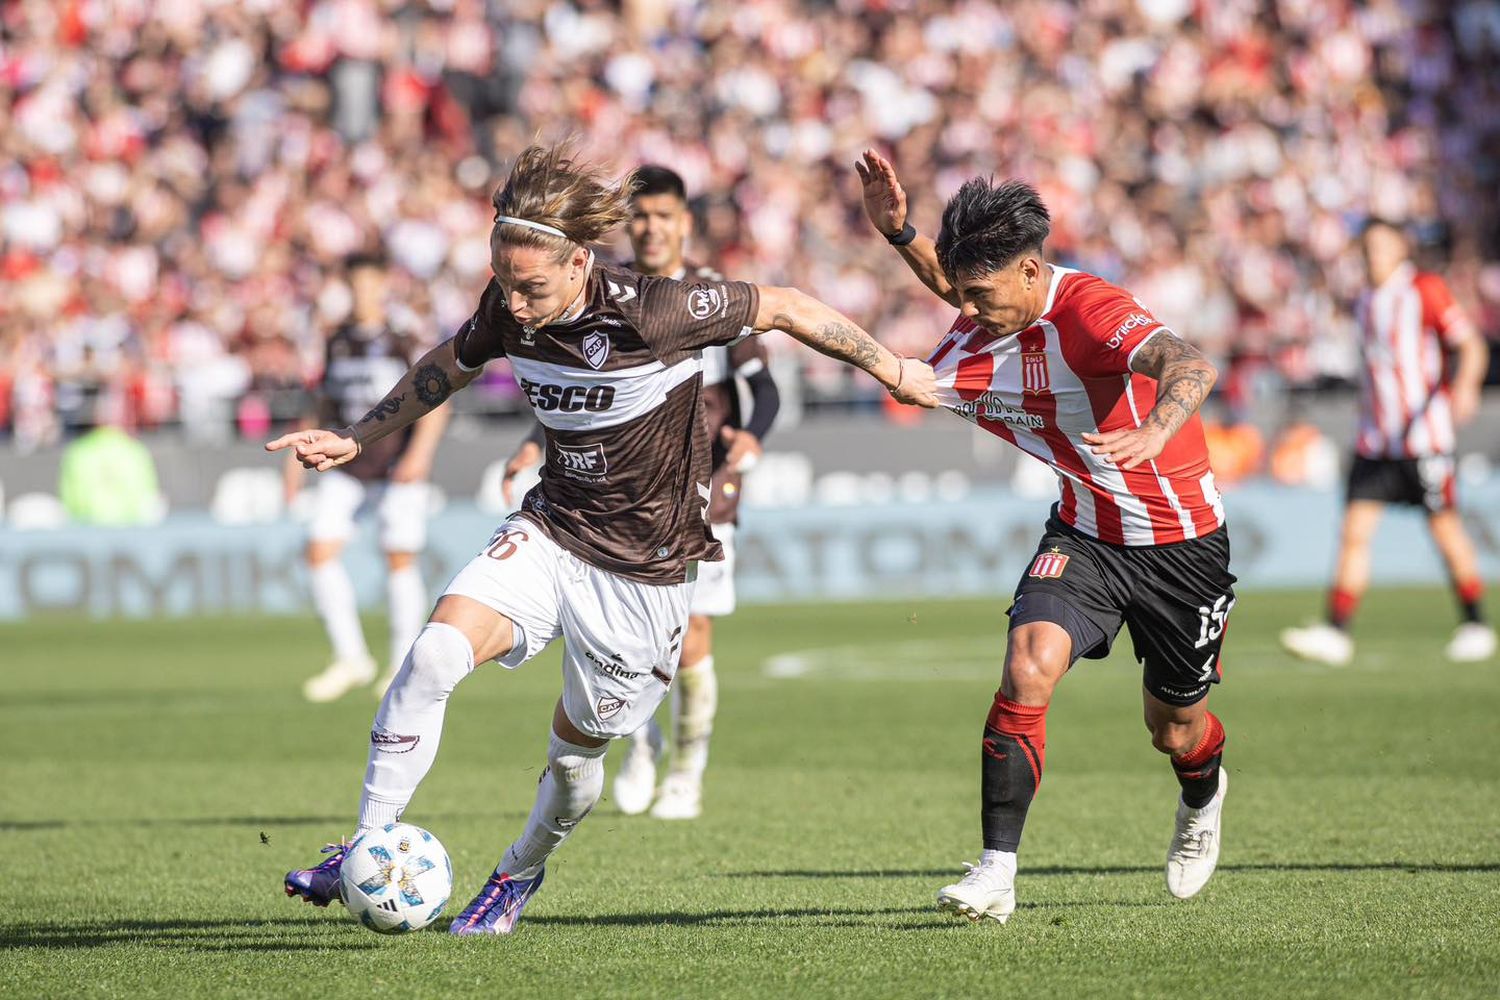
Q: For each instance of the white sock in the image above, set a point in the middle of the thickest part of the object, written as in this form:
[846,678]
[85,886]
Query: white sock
[408,603]
[333,597]
[1004,859]
[693,708]
[569,788]
[645,740]
[409,723]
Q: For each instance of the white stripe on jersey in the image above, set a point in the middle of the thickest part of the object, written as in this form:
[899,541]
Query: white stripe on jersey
[565,398]
[1189,529]
[1135,520]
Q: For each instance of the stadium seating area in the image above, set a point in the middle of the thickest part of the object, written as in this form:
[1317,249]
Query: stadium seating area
[167,259]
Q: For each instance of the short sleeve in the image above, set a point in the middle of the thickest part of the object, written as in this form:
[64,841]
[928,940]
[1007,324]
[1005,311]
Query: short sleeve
[1441,312]
[682,317]
[478,340]
[1112,326]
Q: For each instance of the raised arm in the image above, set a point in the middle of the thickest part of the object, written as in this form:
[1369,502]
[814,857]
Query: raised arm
[885,204]
[1184,379]
[424,388]
[830,332]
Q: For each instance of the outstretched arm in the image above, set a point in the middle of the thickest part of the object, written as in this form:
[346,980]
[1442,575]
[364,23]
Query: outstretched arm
[1184,379]
[830,332]
[424,388]
[885,204]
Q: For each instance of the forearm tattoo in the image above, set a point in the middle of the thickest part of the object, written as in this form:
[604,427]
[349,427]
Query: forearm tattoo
[837,339]
[1184,379]
[432,385]
[387,407]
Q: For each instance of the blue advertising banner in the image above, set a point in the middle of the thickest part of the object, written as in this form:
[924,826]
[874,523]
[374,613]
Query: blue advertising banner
[190,565]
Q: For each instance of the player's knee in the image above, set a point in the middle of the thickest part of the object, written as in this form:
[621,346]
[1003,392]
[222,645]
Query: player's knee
[396,562]
[440,657]
[1033,662]
[1171,738]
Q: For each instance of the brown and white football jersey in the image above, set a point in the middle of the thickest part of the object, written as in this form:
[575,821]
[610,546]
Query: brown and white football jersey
[360,365]
[619,391]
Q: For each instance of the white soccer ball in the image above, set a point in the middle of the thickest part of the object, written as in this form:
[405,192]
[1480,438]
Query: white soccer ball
[396,879]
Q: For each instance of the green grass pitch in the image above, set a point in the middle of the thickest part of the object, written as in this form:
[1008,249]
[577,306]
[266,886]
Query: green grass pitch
[144,762]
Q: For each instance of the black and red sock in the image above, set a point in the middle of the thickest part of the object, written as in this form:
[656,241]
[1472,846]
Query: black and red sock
[1341,607]
[1198,769]
[1015,744]
[1470,592]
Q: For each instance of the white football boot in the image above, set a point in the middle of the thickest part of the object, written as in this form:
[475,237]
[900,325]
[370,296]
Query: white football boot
[1195,844]
[635,782]
[1321,643]
[681,797]
[984,891]
[1471,642]
[338,679]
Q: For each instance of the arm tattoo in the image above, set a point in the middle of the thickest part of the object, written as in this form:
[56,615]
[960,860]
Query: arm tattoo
[387,407]
[432,385]
[1184,379]
[837,339]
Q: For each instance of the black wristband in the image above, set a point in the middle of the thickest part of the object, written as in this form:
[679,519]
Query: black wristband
[907,234]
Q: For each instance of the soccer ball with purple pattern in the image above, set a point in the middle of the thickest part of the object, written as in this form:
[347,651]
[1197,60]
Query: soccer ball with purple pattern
[396,879]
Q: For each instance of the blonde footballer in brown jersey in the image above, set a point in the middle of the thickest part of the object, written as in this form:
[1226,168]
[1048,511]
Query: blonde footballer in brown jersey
[604,552]
[659,227]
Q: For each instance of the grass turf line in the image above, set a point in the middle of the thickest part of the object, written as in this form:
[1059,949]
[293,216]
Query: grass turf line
[145,760]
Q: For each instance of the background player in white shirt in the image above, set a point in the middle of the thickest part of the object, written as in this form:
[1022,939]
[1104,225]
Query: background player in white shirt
[363,358]
[660,224]
[1424,366]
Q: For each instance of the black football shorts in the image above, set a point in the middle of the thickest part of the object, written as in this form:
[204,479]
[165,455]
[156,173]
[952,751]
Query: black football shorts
[1175,599]
[1429,483]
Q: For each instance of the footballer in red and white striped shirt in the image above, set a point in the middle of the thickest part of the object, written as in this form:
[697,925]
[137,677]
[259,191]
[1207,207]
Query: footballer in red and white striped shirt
[1412,396]
[1077,373]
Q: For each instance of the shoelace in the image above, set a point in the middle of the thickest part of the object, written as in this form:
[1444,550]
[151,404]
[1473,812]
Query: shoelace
[978,875]
[336,852]
[492,894]
[1194,841]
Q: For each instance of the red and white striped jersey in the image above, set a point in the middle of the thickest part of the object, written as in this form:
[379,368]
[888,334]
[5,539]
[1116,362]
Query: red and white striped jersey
[1069,374]
[1407,325]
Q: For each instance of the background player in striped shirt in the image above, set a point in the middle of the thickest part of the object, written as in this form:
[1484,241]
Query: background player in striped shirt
[1075,372]
[659,227]
[1424,365]
[362,359]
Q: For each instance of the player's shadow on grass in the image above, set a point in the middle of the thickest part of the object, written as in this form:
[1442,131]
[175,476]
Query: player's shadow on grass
[1414,867]
[282,934]
[252,822]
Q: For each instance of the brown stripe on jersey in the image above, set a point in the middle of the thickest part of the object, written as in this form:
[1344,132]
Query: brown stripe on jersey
[628,498]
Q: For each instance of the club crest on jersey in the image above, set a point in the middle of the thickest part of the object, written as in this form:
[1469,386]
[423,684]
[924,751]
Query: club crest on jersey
[703,302]
[1034,376]
[1048,565]
[596,350]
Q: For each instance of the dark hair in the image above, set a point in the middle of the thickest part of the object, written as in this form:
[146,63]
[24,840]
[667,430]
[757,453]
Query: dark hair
[367,258]
[1381,222]
[987,225]
[552,187]
[651,178]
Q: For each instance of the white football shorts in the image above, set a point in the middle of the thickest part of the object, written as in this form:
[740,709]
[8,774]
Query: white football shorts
[400,508]
[714,595]
[621,638]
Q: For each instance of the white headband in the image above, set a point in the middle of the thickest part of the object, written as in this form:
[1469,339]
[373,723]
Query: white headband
[549,230]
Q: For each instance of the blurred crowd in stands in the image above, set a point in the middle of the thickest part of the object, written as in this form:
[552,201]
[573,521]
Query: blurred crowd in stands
[180,182]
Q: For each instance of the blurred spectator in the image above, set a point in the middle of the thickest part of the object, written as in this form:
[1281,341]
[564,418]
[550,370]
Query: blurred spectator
[108,478]
[179,181]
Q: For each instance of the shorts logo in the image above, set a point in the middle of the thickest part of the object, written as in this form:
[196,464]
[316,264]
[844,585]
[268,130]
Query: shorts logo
[596,350]
[703,302]
[584,462]
[1034,376]
[393,742]
[1048,565]
[609,707]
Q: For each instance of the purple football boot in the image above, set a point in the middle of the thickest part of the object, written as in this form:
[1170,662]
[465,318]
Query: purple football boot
[498,906]
[319,885]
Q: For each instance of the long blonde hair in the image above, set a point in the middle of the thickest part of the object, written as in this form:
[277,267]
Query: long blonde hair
[552,187]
